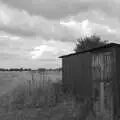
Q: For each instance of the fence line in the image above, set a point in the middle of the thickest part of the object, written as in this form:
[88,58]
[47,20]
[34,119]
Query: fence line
[33,93]
[45,84]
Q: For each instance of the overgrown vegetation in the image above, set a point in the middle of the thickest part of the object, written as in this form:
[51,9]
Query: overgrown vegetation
[88,42]
[43,102]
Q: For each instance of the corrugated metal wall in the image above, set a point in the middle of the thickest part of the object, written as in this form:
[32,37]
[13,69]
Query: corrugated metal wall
[80,70]
[102,65]
[116,84]
[77,74]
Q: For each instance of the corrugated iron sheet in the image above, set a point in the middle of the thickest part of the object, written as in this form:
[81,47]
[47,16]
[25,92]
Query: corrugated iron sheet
[102,65]
[79,71]
[77,74]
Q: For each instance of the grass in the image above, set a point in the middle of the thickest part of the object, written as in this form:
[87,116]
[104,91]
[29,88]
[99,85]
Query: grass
[44,101]
[63,111]
[26,92]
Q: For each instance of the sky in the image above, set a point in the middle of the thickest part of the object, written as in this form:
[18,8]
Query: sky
[34,33]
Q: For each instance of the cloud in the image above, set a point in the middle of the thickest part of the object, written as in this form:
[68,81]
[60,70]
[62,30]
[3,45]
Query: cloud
[13,47]
[54,9]
[38,51]
[8,56]
[17,21]
[36,32]
[78,28]
[86,27]
[51,8]
[21,23]
[52,49]
[17,53]
[17,31]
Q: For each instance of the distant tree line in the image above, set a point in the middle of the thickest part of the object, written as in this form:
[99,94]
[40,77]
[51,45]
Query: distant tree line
[15,69]
[55,69]
[29,69]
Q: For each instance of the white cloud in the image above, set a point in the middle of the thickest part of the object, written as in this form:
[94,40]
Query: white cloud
[37,38]
[39,51]
[21,23]
[51,49]
[10,37]
[86,27]
[78,29]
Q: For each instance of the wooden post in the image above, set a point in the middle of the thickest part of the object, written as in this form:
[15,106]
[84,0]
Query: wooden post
[102,75]
[102,100]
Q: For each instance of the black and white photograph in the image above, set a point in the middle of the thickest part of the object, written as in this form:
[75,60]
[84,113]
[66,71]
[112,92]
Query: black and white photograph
[59,59]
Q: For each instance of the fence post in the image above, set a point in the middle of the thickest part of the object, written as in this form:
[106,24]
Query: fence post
[102,100]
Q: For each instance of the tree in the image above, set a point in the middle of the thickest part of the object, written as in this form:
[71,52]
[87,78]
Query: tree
[88,43]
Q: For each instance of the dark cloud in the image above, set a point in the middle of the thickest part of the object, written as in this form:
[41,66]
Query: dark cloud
[54,9]
[17,31]
[22,23]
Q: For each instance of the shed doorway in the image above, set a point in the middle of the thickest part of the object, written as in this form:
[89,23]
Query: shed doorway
[103,101]
[102,85]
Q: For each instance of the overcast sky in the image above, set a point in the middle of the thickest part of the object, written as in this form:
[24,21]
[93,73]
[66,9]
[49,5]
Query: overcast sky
[34,33]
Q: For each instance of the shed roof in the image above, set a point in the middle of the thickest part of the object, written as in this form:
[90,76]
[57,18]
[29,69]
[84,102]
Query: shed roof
[93,49]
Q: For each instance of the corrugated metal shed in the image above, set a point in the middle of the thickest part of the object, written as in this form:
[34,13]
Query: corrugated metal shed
[75,73]
[78,71]
[81,70]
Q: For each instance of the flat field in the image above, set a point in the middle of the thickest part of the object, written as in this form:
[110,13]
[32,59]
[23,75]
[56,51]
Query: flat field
[10,79]
[12,86]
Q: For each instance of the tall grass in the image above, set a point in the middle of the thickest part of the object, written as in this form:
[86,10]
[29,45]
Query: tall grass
[43,93]
[32,94]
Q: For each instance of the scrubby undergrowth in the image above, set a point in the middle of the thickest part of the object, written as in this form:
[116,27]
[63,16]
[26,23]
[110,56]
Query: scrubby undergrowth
[67,109]
[42,103]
